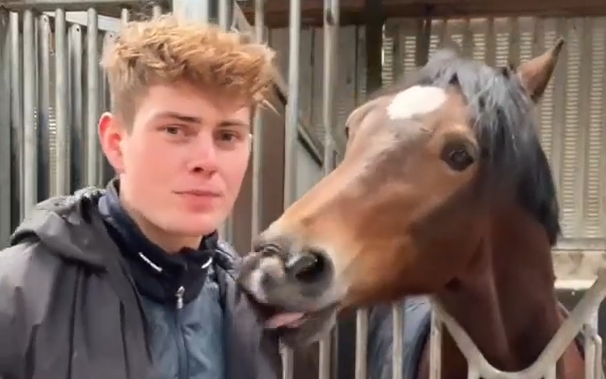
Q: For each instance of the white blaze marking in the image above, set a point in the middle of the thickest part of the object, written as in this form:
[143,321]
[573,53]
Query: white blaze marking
[415,101]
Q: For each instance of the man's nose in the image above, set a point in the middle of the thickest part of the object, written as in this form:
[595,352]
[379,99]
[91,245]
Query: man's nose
[203,155]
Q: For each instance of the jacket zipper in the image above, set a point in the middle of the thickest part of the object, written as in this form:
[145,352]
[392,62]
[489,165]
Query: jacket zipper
[181,346]
[179,296]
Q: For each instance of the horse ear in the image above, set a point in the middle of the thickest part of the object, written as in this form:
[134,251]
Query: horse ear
[535,73]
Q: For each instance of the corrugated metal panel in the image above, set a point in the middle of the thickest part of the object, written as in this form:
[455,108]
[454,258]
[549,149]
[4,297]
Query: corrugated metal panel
[77,34]
[572,115]
[349,77]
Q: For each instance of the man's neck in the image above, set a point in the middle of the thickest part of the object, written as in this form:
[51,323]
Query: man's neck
[169,242]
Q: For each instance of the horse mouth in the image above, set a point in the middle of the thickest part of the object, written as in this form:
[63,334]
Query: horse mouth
[287,320]
[297,329]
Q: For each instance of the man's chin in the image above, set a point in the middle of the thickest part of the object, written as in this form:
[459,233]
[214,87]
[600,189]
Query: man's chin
[196,225]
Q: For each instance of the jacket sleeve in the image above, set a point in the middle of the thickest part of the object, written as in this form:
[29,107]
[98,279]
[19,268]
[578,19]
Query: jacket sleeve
[27,279]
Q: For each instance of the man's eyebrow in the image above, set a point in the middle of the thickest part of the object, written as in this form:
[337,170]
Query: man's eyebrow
[228,123]
[179,116]
[199,120]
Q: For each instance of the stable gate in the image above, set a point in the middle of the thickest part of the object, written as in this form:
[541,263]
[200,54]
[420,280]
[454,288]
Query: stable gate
[52,93]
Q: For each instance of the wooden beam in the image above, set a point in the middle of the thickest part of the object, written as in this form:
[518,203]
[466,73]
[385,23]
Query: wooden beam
[352,11]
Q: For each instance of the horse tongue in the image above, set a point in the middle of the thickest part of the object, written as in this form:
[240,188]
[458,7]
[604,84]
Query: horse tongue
[291,320]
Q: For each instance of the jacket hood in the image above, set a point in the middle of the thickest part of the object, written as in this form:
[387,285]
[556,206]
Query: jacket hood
[68,226]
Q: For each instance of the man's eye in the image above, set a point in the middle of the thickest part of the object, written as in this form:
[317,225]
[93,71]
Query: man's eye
[172,130]
[229,137]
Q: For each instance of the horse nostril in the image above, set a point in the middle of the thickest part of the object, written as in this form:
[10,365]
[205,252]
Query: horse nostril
[307,267]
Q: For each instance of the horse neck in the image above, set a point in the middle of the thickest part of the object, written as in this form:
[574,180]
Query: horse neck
[505,301]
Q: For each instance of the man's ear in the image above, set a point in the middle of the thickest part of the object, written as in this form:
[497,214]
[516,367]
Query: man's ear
[111,136]
[535,73]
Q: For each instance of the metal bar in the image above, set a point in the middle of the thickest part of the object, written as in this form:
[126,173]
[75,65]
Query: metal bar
[435,349]
[16,111]
[40,6]
[257,149]
[77,153]
[598,368]
[292,105]
[92,98]
[106,103]
[361,370]
[72,5]
[324,362]
[61,105]
[331,25]
[44,108]
[29,194]
[192,10]
[331,45]
[591,327]
[397,348]
[5,129]
[224,6]
[156,11]
[291,135]
[124,15]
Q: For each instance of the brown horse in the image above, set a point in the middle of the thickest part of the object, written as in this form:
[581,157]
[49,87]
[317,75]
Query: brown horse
[444,190]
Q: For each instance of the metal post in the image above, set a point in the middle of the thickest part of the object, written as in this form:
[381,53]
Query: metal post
[435,348]
[92,99]
[44,173]
[192,10]
[106,101]
[257,150]
[156,11]
[361,344]
[29,194]
[331,29]
[16,110]
[224,10]
[5,129]
[61,105]
[292,106]
[290,133]
[78,154]
[397,350]
[124,16]
[591,329]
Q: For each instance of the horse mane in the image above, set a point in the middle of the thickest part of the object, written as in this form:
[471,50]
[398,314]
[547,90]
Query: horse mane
[505,128]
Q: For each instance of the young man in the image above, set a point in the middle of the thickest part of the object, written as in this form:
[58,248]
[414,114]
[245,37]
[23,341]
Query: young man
[131,281]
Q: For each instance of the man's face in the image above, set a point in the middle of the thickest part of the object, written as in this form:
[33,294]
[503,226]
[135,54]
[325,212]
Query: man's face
[183,159]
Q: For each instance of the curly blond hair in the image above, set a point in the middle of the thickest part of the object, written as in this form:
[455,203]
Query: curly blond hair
[166,50]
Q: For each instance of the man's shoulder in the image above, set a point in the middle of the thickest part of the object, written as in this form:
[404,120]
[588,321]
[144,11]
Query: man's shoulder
[18,261]
[29,268]
[28,277]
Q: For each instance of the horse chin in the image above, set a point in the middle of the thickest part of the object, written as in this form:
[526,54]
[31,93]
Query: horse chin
[304,329]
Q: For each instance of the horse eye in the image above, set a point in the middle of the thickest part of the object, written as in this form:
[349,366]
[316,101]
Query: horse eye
[457,157]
